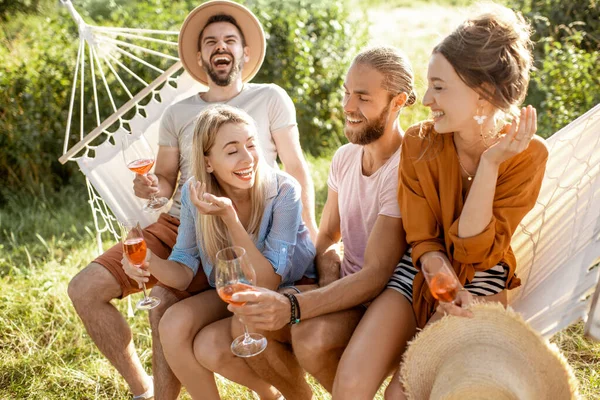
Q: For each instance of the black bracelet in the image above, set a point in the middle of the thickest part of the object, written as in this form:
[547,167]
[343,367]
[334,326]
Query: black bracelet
[295,309]
[296,319]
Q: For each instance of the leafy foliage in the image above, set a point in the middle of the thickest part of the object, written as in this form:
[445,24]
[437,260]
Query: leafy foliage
[567,82]
[567,79]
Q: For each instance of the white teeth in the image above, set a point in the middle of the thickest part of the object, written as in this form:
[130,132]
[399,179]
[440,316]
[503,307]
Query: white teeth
[436,114]
[244,173]
[353,121]
[218,59]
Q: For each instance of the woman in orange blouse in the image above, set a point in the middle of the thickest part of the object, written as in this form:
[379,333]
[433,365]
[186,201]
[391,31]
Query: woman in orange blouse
[467,178]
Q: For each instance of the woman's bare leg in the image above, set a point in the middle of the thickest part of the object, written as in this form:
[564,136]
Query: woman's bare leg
[178,327]
[212,349]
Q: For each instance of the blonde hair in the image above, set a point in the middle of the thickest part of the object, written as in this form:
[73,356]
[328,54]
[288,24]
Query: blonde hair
[398,76]
[211,230]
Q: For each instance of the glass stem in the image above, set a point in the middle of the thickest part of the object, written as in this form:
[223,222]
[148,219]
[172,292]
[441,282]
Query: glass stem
[152,195]
[144,289]
[247,338]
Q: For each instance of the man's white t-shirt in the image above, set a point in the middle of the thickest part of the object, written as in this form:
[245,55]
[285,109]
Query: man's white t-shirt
[268,104]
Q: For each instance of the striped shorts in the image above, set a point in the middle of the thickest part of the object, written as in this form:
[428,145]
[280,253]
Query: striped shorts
[485,283]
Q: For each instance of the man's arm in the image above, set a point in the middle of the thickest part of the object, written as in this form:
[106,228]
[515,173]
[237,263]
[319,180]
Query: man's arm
[288,147]
[164,181]
[386,244]
[328,259]
[268,310]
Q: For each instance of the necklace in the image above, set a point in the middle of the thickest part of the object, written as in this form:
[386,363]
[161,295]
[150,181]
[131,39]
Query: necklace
[469,176]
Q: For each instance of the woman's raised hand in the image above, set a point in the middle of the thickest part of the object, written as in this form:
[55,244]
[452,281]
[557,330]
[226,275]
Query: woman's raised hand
[209,204]
[520,132]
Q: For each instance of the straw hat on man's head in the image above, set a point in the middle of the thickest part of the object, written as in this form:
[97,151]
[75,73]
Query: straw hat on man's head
[245,20]
[493,356]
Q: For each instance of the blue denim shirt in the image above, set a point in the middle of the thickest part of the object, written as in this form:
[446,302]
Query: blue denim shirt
[282,238]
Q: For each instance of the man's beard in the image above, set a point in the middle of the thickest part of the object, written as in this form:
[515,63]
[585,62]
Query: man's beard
[370,133]
[236,69]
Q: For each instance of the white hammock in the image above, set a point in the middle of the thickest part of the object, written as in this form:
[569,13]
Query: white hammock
[108,180]
[555,245]
[559,240]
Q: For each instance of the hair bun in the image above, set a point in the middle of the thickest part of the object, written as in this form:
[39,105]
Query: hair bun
[507,23]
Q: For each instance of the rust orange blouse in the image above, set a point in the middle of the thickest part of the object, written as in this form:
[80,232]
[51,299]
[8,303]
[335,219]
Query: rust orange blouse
[430,196]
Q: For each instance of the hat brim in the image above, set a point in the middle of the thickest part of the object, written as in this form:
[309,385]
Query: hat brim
[493,329]
[196,21]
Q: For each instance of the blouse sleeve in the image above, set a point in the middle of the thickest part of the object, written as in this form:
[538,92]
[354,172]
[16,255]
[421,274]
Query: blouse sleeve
[423,231]
[280,241]
[517,190]
[186,250]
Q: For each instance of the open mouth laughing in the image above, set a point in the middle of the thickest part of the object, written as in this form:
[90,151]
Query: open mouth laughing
[437,115]
[222,61]
[352,120]
[245,174]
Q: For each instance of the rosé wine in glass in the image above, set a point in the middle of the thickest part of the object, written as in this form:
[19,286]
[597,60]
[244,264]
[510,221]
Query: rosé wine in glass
[234,273]
[139,158]
[226,292]
[441,279]
[444,287]
[141,166]
[134,248]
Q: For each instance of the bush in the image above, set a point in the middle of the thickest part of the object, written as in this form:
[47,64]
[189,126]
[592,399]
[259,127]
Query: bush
[310,45]
[566,81]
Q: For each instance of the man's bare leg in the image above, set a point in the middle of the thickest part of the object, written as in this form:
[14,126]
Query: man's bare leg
[376,347]
[319,342]
[91,291]
[212,349]
[166,384]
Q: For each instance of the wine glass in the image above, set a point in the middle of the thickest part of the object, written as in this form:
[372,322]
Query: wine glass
[139,158]
[134,247]
[234,273]
[442,281]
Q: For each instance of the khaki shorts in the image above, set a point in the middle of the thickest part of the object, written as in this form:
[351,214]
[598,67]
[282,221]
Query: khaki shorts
[160,238]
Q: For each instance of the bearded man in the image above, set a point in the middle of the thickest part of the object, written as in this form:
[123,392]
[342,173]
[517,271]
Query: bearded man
[221,45]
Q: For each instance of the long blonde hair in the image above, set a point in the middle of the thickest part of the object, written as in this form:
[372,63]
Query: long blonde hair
[211,230]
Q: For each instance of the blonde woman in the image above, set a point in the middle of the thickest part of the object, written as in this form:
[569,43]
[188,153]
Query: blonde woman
[235,199]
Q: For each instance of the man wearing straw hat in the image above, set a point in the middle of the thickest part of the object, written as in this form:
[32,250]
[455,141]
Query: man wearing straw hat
[221,45]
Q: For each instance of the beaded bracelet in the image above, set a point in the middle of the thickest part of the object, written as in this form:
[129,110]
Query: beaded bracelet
[295,309]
